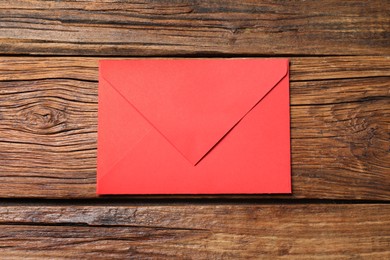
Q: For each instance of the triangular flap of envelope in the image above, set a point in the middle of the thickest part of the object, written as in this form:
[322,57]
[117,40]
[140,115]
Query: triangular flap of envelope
[194,103]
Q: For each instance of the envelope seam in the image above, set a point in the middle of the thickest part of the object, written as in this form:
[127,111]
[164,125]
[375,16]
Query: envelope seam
[238,121]
[124,155]
[144,117]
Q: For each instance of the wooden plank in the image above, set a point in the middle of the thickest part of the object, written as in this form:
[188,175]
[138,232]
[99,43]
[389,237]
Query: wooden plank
[339,118]
[293,231]
[194,27]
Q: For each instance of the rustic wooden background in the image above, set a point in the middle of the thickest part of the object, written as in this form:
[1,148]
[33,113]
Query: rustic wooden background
[340,118]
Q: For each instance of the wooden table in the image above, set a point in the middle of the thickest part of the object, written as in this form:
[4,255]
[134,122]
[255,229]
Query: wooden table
[340,117]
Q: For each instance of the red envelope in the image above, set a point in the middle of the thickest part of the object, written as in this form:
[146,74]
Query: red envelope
[193,126]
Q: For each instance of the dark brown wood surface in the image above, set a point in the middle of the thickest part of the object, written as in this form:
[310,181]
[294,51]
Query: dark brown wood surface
[340,116]
[180,27]
[197,231]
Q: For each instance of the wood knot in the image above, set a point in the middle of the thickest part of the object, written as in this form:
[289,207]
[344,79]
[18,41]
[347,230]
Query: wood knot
[43,119]
[362,144]
[363,136]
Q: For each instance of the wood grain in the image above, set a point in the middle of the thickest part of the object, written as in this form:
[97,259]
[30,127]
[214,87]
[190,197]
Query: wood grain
[179,27]
[340,126]
[339,122]
[312,231]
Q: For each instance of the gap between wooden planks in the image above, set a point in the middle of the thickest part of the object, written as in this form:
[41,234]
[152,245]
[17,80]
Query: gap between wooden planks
[339,125]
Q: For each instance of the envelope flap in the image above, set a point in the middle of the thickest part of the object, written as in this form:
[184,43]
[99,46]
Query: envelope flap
[193,103]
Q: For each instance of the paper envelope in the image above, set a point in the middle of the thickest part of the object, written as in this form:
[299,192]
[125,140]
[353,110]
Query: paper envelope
[193,126]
